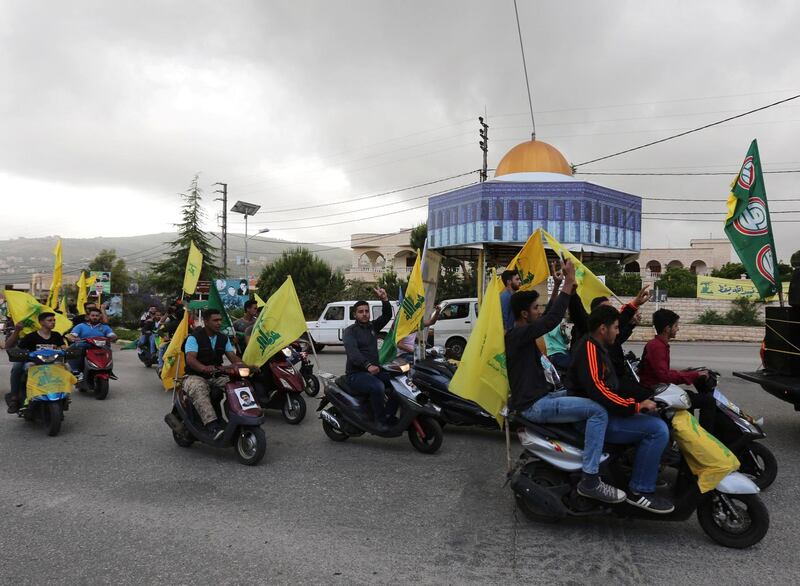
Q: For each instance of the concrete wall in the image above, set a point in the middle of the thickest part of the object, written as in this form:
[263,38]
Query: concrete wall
[690,309]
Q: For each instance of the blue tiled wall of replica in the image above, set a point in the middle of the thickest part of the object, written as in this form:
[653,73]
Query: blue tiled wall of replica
[575,212]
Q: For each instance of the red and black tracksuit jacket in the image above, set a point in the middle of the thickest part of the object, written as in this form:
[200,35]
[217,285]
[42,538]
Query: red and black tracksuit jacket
[592,375]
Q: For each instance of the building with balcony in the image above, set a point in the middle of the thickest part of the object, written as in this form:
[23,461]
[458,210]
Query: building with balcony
[373,254]
[702,256]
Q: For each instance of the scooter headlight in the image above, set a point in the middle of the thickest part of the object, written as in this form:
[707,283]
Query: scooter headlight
[244,371]
[287,352]
[46,358]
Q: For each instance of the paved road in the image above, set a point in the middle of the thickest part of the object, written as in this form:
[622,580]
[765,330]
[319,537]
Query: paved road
[114,500]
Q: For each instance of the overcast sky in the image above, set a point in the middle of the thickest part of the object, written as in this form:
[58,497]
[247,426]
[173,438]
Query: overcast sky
[109,108]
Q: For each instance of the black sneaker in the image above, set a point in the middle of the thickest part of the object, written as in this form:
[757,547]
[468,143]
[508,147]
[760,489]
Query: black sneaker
[215,430]
[13,406]
[650,502]
[602,492]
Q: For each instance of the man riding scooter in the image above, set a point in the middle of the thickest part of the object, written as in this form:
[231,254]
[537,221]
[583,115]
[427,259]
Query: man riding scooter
[364,375]
[592,375]
[91,328]
[205,350]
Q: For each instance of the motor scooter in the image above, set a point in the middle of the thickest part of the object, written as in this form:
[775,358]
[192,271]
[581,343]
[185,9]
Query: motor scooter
[739,431]
[345,414]
[432,376]
[98,367]
[546,477]
[301,357]
[46,407]
[145,350]
[279,386]
[236,409]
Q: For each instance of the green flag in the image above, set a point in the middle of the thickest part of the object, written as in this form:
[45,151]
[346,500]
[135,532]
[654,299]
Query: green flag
[748,226]
[215,302]
[388,351]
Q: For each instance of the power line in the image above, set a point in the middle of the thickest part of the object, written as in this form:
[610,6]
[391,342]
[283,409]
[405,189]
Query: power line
[719,212]
[698,129]
[715,221]
[370,196]
[682,174]
[525,68]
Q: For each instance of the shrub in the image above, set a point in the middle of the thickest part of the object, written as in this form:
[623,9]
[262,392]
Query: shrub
[711,318]
[743,313]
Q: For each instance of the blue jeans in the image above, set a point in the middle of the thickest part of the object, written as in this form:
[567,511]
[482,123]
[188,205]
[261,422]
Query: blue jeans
[162,349]
[76,365]
[557,407]
[652,435]
[560,359]
[374,386]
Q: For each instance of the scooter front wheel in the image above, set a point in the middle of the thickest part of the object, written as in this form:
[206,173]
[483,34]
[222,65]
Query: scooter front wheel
[734,520]
[294,408]
[51,416]
[100,388]
[312,385]
[759,464]
[184,440]
[428,437]
[251,444]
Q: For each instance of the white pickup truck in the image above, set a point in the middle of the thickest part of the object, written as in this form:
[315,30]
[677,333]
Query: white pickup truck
[328,329]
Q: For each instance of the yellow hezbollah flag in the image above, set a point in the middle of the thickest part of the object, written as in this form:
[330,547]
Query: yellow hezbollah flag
[259,302]
[44,379]
[193,265]
[716,288]
[481,375]
[531,262]
[279,324]
[589,286]
[174,361]
[63,306]
[83,291]
[412,310]
[24,308]
[55,286]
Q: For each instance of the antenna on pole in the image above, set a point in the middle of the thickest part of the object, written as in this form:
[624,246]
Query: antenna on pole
[525,68]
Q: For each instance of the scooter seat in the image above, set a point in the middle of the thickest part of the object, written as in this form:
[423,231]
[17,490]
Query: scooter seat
[560,431]
[347,393]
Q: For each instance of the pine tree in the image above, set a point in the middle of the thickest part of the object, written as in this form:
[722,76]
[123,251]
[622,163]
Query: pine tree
[167,275]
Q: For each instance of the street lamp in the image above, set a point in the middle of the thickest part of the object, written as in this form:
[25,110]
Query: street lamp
[248,209]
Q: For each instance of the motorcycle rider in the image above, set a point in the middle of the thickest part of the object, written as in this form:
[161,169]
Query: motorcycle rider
[364,375]
[530,392]
[44,337]
[512,283]
[592,375]
[245,323]
[91,328]
[205,349]
[149,323]
[655,368]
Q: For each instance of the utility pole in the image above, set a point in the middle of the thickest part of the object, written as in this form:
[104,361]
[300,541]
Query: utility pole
[484,144]
[224,199]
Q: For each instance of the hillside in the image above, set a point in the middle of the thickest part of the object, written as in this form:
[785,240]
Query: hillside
[25,255]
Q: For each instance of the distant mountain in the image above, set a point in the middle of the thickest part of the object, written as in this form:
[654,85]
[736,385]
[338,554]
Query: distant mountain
[25,255]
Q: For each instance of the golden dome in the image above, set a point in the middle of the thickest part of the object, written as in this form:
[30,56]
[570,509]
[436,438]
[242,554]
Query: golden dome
[533,156]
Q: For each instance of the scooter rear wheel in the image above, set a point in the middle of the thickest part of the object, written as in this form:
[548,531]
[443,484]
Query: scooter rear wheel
[433,435]
[183,440]
[759,464]
[251,444]
[741,530]
[545,477]
[333,433]
[294,408]
[51,416]
[100,388]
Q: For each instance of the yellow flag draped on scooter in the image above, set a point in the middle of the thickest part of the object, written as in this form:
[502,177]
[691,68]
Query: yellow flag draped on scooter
[174,363]
[45,379]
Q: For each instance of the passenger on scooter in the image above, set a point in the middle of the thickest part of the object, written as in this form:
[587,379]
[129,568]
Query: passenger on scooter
[44,337]
[655,368]
[592,375]
[512,283]
[91,328]
[245,323]
[531,394]
[205,350]
[406,346]
[364,374]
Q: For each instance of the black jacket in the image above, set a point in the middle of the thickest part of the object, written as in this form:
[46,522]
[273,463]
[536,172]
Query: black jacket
[592,375]
[523,359]
[580,328]
[206,354]
[361,341]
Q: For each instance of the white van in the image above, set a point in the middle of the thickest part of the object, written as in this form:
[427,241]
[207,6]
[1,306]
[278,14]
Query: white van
[328,329]
[456,320]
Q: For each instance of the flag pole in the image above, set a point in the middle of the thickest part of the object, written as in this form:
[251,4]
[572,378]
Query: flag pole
[178,366]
